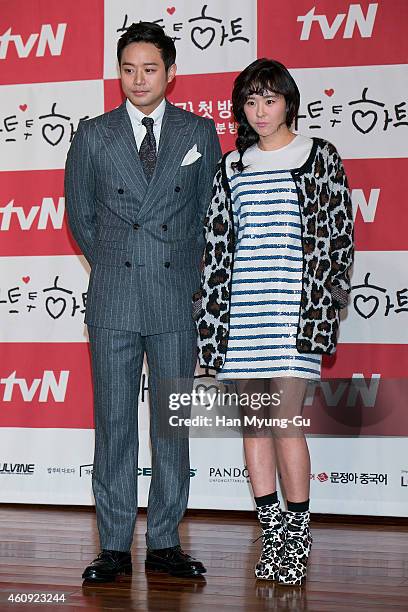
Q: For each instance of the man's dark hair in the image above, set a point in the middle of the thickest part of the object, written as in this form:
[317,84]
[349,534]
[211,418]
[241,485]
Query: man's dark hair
[144,31]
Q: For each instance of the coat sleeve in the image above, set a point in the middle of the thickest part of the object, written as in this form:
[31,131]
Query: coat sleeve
[218,229]
[80,192]
[211,155]
[341,230]
[212,301]
[208,264]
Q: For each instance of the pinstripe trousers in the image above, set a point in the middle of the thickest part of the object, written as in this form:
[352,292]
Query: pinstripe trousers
[117,360]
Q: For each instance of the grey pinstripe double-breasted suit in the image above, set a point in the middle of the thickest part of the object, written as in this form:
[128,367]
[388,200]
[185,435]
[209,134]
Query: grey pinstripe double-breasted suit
[144,244]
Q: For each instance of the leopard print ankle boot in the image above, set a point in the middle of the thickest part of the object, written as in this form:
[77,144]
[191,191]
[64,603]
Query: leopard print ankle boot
[298,544]
[273,541]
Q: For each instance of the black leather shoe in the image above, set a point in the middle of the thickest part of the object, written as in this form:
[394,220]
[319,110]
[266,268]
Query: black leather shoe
[173,561]
[107,565]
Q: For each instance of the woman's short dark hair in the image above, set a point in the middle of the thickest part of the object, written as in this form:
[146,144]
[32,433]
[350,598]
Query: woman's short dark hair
[150,33]
[263,75]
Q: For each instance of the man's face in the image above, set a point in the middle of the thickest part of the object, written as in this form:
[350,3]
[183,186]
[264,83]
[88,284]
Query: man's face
[143,75]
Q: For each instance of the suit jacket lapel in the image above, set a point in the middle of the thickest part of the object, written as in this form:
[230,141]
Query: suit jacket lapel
[174,137]
[121,146]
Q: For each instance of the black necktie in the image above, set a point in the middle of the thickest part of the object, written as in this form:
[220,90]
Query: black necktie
[147,151]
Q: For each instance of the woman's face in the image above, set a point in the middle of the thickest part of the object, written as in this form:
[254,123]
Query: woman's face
[266,114]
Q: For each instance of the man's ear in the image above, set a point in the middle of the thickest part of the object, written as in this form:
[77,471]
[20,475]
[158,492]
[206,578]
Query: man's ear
[171,73]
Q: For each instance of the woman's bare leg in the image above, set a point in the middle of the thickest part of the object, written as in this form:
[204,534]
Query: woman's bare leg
[282,448]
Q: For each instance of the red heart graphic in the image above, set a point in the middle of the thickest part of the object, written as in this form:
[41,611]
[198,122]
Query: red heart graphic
[26,279]
[329,92]
[171,10]
[23,107]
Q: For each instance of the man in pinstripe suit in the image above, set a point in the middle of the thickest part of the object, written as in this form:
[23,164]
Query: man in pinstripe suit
[138,182]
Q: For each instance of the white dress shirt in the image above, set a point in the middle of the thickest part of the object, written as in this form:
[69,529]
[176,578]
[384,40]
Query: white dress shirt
[136,117]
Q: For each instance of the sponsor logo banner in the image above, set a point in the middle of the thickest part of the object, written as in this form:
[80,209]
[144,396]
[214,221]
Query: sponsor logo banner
[43,298]
[351,108]
[381,222]
[58,41]
[38,121]
[378,308]
[32,214]
[307,33]
[209,36]
[46,385]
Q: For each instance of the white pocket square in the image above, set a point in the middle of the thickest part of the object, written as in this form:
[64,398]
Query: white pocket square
[191,156]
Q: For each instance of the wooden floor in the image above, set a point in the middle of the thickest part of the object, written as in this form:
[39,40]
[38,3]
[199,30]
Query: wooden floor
[352,567]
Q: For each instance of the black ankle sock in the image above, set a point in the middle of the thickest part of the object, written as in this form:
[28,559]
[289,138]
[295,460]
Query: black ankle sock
[298,506]
[266,500]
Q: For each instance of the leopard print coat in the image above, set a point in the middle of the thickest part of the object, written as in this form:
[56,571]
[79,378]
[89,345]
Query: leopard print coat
[327,239]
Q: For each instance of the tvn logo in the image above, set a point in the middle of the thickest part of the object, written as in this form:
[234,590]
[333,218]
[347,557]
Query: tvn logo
[353,18]
[40,41]
[368,208]
[38,216]
[353,391]
[41,389]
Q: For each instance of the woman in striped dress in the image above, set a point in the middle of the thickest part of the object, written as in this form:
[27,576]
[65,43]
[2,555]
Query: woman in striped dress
[267,276]
[265,300]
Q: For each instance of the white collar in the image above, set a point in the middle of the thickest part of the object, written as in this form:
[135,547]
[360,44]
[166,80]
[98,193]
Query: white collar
[137,115]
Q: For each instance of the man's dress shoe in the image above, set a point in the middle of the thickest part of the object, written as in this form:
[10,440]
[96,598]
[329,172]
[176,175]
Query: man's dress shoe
[173,561]
[107,565]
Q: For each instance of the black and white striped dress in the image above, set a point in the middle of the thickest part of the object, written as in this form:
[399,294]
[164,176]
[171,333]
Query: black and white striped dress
[267,273]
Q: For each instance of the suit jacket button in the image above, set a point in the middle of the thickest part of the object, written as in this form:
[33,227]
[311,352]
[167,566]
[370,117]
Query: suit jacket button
[136,226]
[164,227]
[167,264]
[128,264]
[177,189]
[121,191]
